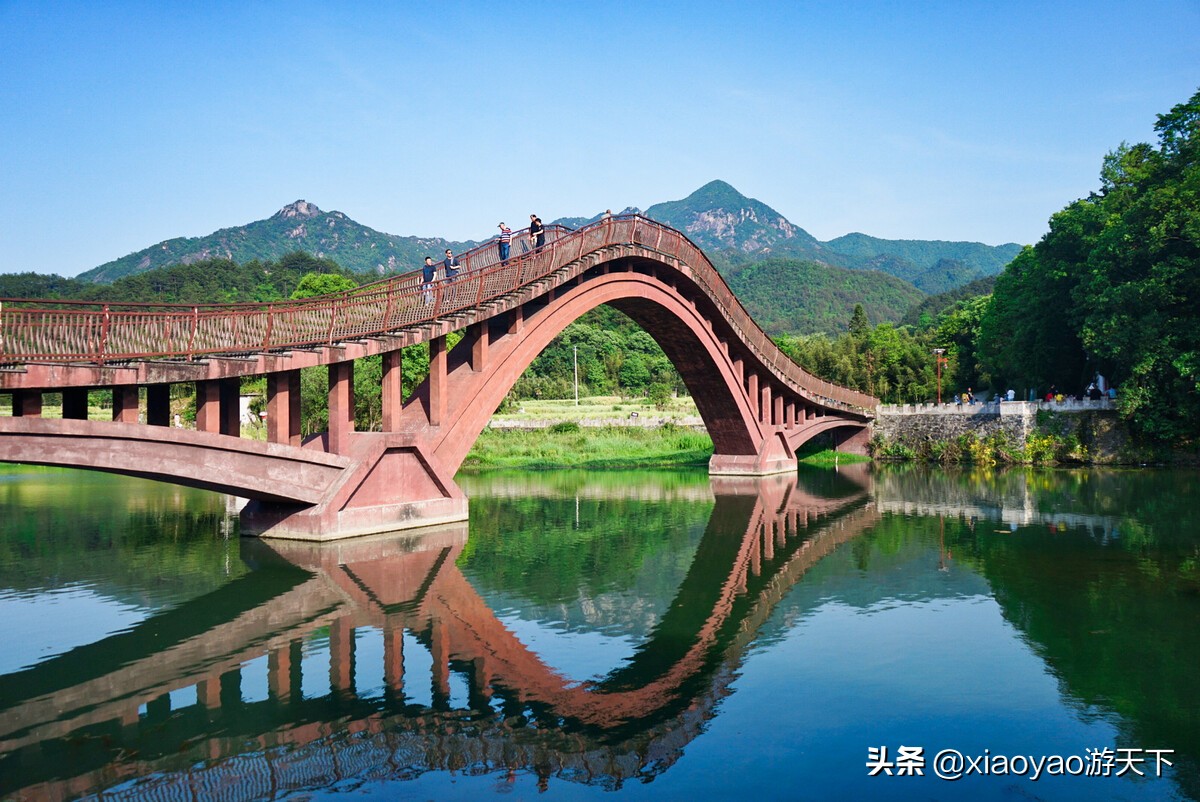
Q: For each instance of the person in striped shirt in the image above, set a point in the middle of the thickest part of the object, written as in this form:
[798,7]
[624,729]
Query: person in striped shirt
[505,242]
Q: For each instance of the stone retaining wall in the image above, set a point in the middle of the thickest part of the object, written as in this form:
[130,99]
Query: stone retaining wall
[1094,423]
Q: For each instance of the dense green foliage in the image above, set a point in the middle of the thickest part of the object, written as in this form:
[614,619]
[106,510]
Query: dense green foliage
[925,313]
[932,266]
[1114,288]
[789,296]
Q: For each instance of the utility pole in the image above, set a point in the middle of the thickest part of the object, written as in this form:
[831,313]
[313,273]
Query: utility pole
[576,375]
[938,360]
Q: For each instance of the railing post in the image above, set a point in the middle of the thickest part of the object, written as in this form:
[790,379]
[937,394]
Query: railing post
[332,321]
[270,325]
[103,336]
[192,338]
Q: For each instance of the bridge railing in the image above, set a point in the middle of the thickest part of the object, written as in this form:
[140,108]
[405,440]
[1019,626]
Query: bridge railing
[78,331]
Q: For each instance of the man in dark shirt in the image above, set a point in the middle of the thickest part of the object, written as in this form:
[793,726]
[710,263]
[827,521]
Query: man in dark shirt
[450,265]
[537,232]
[428,271]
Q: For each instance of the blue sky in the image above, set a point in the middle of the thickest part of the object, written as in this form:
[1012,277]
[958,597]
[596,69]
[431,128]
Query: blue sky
[124,124]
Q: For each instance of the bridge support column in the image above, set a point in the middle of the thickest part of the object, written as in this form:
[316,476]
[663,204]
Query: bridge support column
[27,403]
[392,391]
[438,359]
[479,345]
[217,406]
[341,405]
[393,658]
[279,674]
[283,407]
[766,408]
[125,404]
[158,404]
[75,403]
[341,657]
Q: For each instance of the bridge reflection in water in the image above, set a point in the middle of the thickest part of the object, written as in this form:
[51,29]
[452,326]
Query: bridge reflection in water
[159,712]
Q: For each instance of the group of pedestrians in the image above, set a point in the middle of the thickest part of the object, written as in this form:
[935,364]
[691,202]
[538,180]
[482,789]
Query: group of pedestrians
[450,265]
[537,238]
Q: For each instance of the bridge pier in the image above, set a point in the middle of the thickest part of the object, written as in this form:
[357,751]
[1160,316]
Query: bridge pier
[389,484]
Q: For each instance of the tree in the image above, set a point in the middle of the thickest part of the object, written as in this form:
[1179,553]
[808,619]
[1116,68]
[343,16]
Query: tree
[1114,287]
[316,284]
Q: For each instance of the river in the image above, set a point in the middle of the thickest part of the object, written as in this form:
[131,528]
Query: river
[624,635]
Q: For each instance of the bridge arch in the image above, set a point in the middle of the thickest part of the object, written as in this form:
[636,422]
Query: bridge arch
[686,336]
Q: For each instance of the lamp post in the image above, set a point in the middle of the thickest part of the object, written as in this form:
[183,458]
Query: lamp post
[939,360]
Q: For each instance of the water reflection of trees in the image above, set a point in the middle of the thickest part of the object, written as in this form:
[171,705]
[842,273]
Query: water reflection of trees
[1102,580]
[517,714]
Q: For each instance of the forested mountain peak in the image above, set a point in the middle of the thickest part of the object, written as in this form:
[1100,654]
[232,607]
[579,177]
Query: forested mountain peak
[718,216]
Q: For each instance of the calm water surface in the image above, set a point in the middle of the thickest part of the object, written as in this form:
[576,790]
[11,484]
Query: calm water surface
[610,636]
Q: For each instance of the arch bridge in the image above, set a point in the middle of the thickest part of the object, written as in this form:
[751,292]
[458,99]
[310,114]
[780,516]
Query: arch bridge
[757,405]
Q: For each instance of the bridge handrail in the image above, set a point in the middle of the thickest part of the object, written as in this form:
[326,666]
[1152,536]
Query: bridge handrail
[98,332]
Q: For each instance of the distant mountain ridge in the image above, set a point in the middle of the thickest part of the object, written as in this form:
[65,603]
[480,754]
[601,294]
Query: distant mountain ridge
[735,229]
[299,226]
[720,219]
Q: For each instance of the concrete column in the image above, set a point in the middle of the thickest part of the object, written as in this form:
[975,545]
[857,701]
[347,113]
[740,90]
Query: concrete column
[393,398]
[158,404]
[231,407]
[27,403]
[125,403]
[752,391]
[75,403]
[208,695]
[208,406]
[766,407]
[739,369]
[778,417]
[231,689]
[279,673]
[393,658]
[341,404]
[518,320]
[479,347]
[341,656]
[756,551]
[283,407]
[440,649]
[438,358]
[789,414]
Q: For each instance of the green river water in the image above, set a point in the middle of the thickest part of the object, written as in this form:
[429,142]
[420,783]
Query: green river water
[610,635]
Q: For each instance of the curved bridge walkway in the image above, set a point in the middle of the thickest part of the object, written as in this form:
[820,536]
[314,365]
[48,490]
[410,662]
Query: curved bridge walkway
[757,404]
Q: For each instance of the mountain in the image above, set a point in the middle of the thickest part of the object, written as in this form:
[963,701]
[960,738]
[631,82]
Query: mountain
[718,216]
[793,296]
[738,230]
[299,226]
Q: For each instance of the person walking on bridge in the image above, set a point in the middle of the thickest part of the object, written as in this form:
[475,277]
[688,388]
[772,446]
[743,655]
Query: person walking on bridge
[537,232]
[504,243]
[450,266]
[428,271]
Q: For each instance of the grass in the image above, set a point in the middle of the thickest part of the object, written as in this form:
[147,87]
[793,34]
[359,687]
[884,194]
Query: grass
[600,406]
[604,447]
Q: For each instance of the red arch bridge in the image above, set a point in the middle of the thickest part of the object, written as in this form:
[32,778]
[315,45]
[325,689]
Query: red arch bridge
[757,404]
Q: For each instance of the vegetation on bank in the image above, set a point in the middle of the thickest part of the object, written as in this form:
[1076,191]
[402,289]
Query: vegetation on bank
[569,445]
